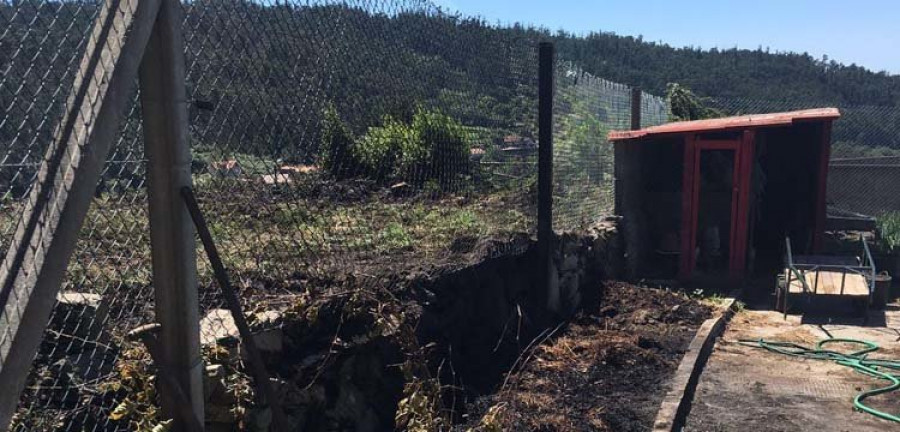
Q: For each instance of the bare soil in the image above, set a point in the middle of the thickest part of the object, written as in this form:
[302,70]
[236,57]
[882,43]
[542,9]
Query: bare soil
[607,371]
[780,393]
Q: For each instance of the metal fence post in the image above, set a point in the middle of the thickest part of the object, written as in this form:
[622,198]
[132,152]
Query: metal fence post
[164,107]
[546,60]
[619,149]
[32,272]
[636,94]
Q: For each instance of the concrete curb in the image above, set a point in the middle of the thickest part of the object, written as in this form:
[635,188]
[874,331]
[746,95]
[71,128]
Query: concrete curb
[676,405]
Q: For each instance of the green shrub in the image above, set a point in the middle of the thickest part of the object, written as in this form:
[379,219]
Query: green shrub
[888,225]
[445,150]
[385,151]
[685,105]
[394,237]
[431,148]
[337,147]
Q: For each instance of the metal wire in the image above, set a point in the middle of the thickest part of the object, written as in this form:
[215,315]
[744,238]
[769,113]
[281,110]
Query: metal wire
[106,290]
[586,108]
[331,140]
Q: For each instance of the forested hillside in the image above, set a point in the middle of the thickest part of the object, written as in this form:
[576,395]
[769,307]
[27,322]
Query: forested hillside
[755,74]
[277,68]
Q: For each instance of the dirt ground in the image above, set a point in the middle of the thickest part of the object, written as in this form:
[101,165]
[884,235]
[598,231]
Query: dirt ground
[749,389]
[606,371]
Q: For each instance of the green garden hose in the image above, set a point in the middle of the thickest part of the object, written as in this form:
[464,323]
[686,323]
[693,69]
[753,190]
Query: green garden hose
[888,370]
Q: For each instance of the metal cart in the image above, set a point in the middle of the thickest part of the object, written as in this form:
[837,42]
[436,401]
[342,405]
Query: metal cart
[807,276]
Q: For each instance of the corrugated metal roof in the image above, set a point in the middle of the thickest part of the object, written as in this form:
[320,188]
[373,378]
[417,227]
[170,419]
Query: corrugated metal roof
[738,122]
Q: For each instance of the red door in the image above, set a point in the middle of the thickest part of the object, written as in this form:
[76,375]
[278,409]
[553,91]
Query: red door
[715,205]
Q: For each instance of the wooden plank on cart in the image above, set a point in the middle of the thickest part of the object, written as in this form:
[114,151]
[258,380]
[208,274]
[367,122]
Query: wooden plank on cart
[829,284]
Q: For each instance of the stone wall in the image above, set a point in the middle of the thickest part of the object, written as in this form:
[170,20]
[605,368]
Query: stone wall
[348,362]
[482,317]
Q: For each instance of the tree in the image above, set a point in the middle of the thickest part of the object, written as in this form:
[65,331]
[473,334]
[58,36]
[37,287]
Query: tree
[685,105]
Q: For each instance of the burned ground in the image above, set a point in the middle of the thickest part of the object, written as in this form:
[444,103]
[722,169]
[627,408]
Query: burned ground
[603,372]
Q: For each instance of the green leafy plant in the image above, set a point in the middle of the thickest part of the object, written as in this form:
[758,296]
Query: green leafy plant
[686,105]
[386,151]
[430,149]
[443,146]
[336,150]
[394,236]
[888,229]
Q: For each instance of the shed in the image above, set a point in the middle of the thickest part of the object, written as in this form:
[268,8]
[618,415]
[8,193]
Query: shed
[716,198]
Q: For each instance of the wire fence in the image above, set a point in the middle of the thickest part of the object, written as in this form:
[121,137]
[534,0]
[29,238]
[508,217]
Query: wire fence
[865,153]
[336,145]
[107,287]
[586,108]
[332,141]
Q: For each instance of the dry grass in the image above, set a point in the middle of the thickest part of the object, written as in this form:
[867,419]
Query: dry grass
[601,373]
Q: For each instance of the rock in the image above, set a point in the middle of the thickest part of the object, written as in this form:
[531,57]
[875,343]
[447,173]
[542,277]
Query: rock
[608,311]
[217,326]
[220,414]
[648,343]
[352,406]
[267,319]
[259,419]
[570,293]
[401,189]
[553,292]
[215,371]
[80,316]
[267,330]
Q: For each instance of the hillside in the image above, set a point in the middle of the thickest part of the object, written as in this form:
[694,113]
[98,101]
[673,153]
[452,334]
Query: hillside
[371,65]
[754,74]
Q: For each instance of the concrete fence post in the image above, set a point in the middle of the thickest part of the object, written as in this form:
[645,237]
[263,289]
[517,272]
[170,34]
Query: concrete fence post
[33,270]
[172,239]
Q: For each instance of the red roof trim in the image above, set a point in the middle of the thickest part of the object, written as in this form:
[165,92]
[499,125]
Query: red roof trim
[739,122]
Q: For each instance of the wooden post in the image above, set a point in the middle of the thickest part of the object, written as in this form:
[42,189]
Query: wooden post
[636,108]
[821,204]
[33,269]
[546,67]
[690,161]
[164,107]
[619,149]
[744,164]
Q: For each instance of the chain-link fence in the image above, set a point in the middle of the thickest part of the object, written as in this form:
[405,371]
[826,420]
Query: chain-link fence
[107,286]
[358,143]
[337,145]
[864,173]
[585,109]
[332,142]
[343,133]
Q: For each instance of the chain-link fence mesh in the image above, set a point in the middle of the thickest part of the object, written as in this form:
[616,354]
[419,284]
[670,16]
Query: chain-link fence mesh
[335,144]
[332,141]
[585,109]
[73,384]
[356,143]
[865,153]
[342,137]
[41,44]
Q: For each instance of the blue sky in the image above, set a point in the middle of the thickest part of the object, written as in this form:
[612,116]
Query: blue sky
[865,32]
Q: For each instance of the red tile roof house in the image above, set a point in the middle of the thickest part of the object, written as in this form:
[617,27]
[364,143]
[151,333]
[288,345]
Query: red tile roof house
[227,168]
